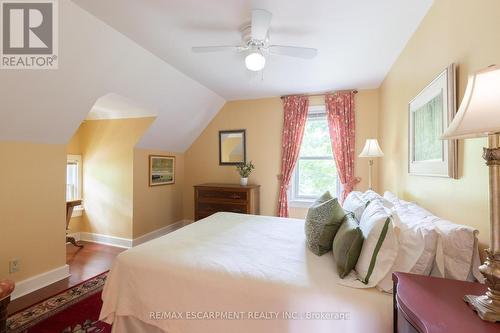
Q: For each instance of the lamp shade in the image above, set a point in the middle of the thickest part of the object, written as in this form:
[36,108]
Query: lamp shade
[479,112]
[371,149]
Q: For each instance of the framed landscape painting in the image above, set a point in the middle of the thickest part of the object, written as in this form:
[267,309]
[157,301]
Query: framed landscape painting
[161,170]
[430,113]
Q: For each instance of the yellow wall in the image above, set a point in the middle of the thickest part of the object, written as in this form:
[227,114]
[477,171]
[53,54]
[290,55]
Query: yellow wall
[32,207]
[460,31]
[158,206]
[263,121]
[123,205]
[74,147]
[107,148]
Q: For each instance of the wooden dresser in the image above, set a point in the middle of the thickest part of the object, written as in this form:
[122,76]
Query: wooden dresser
[424,304]
[213,198]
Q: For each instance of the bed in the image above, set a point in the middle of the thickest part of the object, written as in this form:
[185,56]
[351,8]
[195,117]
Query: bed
[236,273]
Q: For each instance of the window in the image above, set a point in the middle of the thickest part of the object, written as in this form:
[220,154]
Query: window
[74,181]
[315,171]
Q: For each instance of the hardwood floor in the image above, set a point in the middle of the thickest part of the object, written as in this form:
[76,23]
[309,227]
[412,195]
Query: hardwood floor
[84,263]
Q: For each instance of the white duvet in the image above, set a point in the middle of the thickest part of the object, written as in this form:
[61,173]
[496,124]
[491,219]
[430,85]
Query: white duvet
[255,271]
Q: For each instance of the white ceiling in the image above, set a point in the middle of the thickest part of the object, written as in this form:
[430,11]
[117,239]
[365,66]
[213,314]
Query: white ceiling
[113,106]
[358,40]
[95,60]
[133,57]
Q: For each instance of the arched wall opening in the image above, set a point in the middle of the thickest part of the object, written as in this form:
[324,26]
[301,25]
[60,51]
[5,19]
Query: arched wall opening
[118,203]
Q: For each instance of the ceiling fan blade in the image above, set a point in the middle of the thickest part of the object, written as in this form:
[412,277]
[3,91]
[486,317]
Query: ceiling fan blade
[261,20]
[293,51]
[207,49]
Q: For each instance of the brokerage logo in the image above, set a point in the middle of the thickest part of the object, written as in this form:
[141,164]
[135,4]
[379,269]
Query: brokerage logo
[29,34]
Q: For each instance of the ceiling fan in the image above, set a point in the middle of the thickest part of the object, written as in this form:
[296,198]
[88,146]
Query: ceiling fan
[255,37]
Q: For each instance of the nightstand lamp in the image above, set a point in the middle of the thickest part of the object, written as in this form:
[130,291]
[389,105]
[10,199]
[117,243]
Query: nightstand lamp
[371,150]
[479,116]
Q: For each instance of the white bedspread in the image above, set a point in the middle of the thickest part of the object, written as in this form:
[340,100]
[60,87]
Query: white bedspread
[255,269]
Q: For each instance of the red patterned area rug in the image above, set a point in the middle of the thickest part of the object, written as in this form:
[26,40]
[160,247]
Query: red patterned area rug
[75,310]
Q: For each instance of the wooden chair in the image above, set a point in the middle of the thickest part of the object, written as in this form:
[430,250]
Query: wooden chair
[69,211]
[6,289]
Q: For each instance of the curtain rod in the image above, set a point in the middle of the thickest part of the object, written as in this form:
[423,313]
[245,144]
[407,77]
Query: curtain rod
[321,94]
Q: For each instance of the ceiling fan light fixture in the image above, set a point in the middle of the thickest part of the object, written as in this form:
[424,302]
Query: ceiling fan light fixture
[255,61]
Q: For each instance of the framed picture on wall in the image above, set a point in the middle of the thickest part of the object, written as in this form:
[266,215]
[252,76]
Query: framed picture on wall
[429,114]
[161,170]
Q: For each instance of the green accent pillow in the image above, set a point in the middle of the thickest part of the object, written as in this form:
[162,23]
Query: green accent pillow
[322,223]
[347,245]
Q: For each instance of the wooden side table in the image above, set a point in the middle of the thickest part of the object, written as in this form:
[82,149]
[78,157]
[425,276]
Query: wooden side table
[69,211]
[424,304]
[6,289]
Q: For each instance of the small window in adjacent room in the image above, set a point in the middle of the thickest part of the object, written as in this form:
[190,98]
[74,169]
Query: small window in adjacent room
[315,171]
[74,181]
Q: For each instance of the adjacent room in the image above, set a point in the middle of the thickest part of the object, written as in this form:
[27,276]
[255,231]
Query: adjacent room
[249,166]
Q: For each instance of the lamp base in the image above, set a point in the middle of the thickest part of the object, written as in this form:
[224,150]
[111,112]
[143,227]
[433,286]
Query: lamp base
[487,306]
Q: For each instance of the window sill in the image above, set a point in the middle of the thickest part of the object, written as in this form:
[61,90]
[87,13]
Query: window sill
[300,203]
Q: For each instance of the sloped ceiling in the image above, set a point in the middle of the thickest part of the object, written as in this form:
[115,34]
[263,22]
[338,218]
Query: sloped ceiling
[358,40]
[113,106]
[140,51]
[47,106]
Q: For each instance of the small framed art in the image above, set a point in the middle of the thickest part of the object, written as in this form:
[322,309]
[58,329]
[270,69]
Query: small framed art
[161,170]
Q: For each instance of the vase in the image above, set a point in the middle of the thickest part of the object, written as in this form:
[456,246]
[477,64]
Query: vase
[243,181]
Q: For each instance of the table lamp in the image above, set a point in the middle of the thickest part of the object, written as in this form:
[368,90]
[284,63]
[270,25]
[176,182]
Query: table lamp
[371,150]
[479,116]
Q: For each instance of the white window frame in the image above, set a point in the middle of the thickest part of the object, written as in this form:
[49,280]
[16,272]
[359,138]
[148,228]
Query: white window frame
[78,210]
[294,199]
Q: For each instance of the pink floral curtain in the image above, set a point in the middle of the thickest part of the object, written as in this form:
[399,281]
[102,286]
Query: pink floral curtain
[295,116]
[341,124]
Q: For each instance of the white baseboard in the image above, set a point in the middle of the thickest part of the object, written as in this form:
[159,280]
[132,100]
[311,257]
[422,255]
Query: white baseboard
[75,235]
[105,239]
[160,232]
[39,281]
[127,242]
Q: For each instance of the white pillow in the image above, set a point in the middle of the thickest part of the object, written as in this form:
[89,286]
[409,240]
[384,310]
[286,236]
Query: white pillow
[419,221]
[450,250]
[372,195]
[456,250]
[380,247]
[417,248]
[355,203]
[416,209]
[391,197]
[425,262]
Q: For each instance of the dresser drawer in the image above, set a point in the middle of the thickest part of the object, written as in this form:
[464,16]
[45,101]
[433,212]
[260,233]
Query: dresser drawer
[213,198]
[221,207]
[210,195]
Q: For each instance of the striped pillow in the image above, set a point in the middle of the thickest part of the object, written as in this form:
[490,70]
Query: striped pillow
[381,244]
